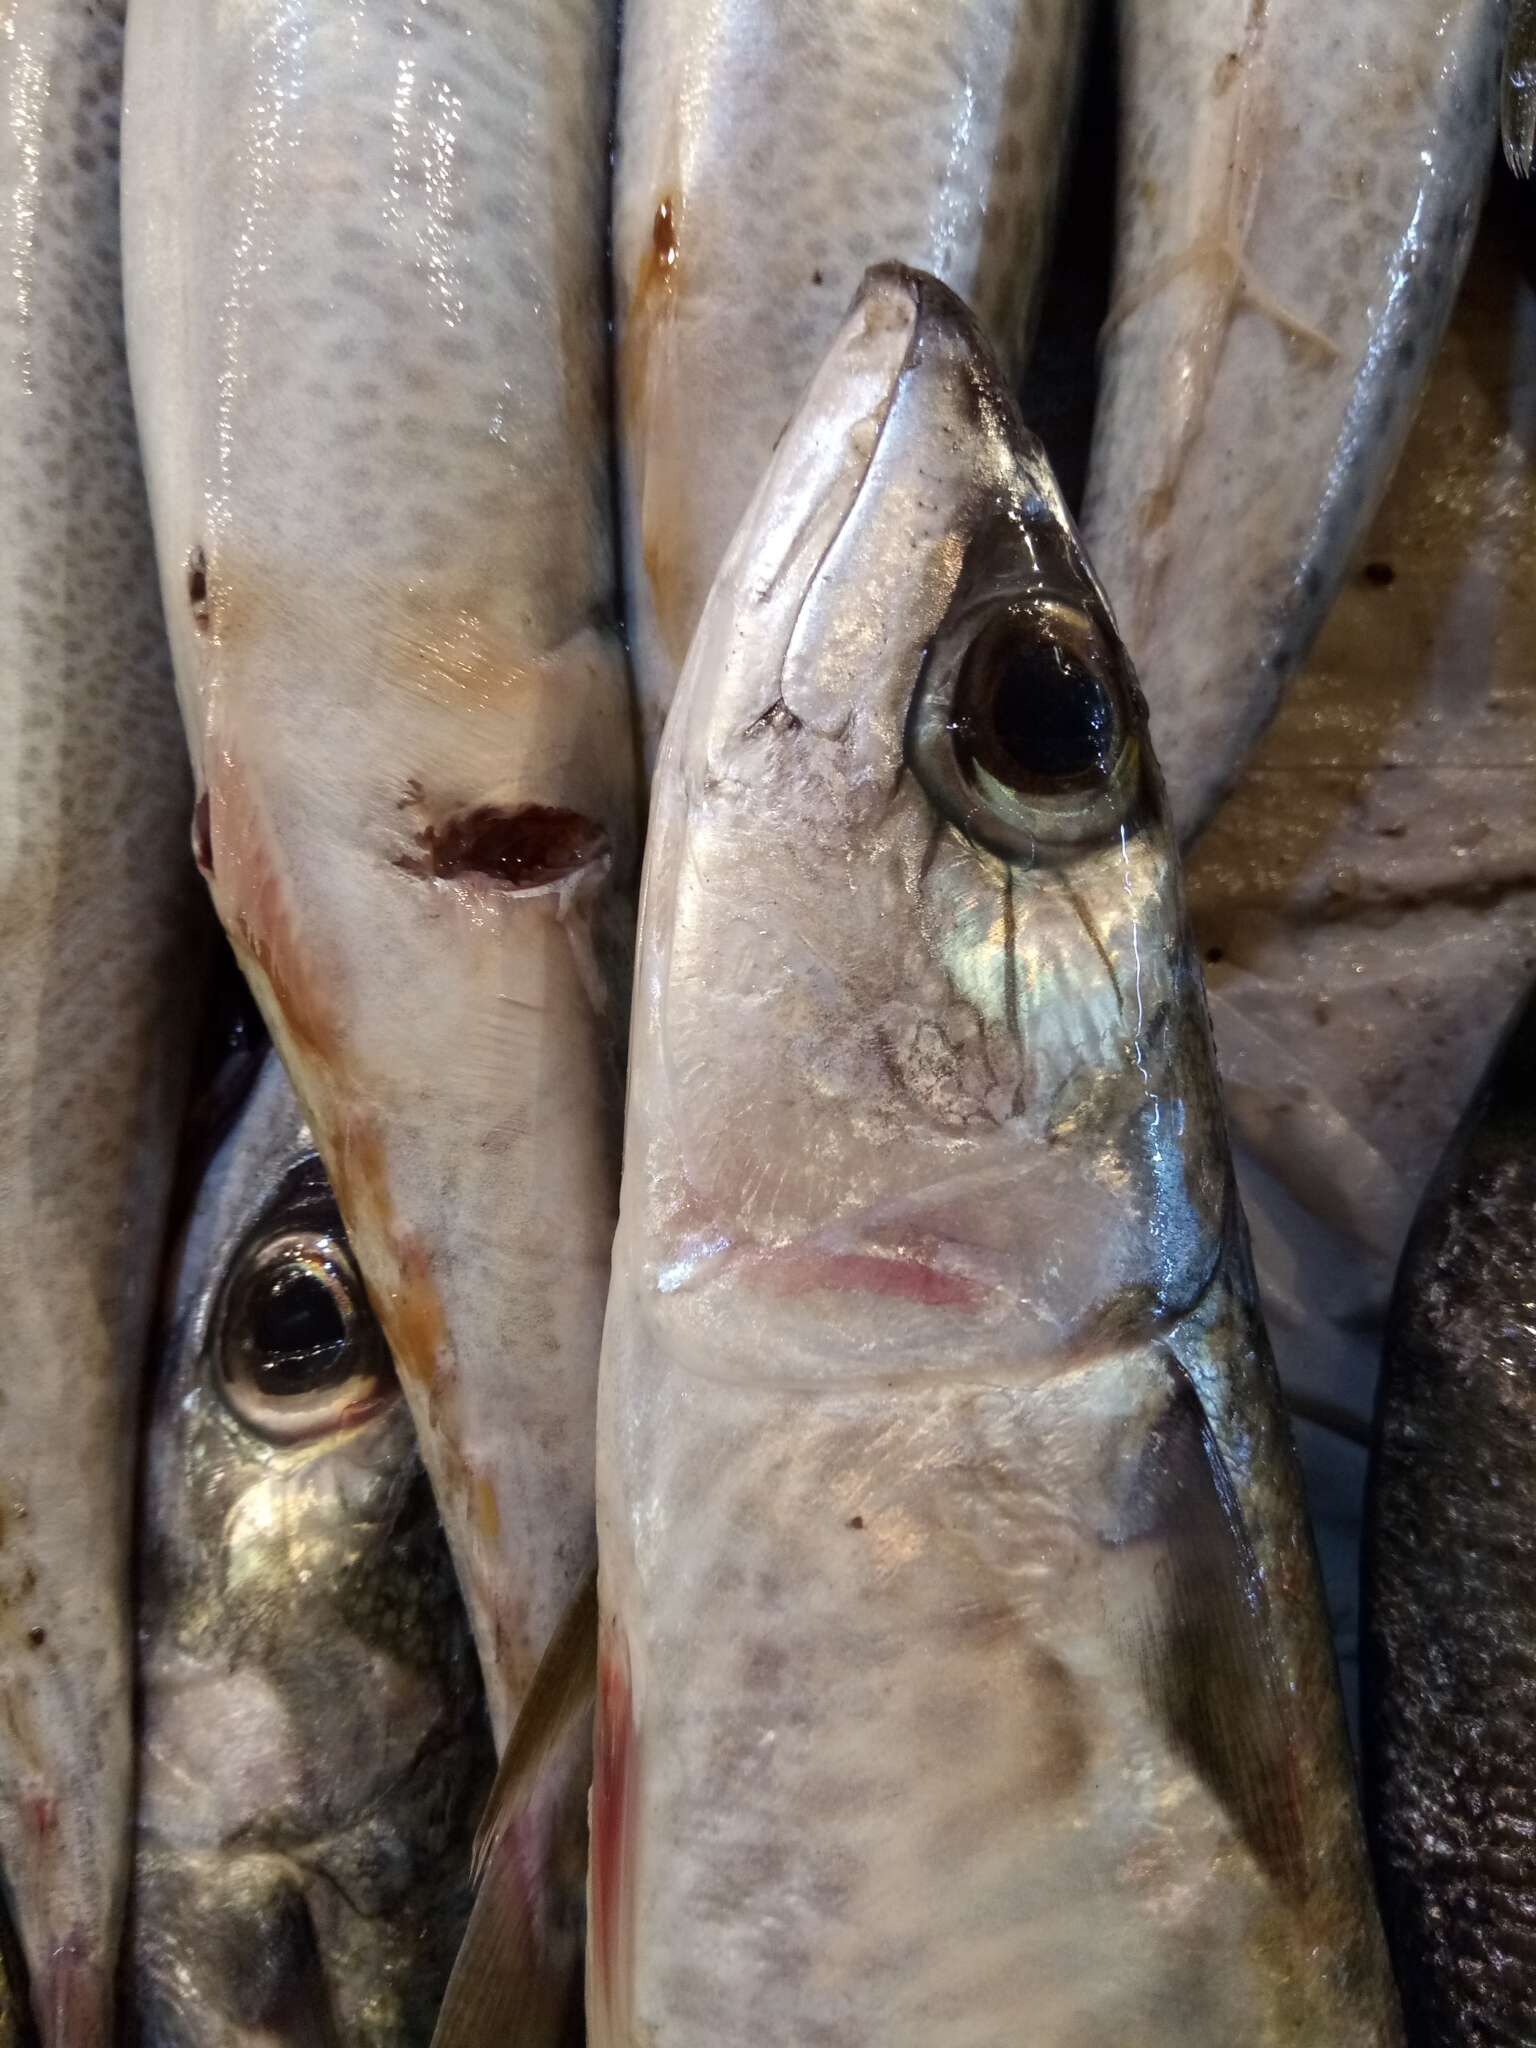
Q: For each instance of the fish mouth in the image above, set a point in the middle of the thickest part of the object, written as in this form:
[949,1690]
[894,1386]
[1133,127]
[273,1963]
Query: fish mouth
[853,1313]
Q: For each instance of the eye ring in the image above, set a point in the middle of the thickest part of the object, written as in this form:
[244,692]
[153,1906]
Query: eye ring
[1022,729]
[297,1352]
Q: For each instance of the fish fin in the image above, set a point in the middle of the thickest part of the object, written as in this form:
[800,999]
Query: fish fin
[517,1972]
[1517,104]
[563,1689]
[1204,1639]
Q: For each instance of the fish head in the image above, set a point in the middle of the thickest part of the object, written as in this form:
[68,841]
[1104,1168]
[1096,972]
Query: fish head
[925,1022]
[314,1746]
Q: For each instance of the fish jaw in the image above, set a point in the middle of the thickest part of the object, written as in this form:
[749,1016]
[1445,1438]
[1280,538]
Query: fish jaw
[964,1051]
[1298,200]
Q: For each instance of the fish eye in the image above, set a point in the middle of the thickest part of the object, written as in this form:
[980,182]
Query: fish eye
[1021,731]
[298,1350]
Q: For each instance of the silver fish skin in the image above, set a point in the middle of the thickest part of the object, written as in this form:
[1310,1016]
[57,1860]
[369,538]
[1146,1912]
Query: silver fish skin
[962,1659]
[314,1747]
[100,937]
[1517,104]
[1299,187]
[366,286]
[1449,1654]
[768,151]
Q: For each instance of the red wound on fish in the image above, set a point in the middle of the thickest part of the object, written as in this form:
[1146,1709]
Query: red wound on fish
[202,836]
[197,588]
[613,1793]
[527,848]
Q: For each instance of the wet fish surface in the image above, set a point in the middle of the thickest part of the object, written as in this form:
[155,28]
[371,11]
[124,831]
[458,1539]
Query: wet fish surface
[962,1654]
[314,1747]
[99,941]
[1517,106]
[367,285]
[1299,189]
[768,150]
[1449,1655]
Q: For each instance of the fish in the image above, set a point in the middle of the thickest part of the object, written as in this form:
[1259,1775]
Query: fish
[1299,187]
[366,285]
[767,151]
[1447,1655]
[100,945]
[961,1648]
[1367,897]
[314,1749]
[1517,102]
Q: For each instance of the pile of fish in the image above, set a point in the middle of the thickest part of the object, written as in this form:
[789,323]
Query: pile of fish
[795,1538]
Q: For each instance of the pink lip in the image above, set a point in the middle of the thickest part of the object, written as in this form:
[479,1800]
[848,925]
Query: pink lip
[894,1274]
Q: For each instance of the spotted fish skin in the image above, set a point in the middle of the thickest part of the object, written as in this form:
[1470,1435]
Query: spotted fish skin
[313,1746]
[365,260]
[768,151]
[1449,1663]
[99,944]
[962,1655]
[1299,187]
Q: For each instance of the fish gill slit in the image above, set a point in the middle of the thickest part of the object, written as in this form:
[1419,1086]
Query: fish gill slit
[1011,964]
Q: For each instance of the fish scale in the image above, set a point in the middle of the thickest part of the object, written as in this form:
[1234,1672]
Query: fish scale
[99,938]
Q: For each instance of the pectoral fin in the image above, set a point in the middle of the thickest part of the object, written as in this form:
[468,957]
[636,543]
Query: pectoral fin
[1203,1639]
[517,1979]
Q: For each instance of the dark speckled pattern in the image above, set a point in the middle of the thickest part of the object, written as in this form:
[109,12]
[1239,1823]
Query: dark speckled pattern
[364,256]
[1450,1649]
[95,988]
[792,143]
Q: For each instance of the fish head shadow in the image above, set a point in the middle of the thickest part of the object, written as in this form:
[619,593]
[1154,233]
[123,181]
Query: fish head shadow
[314,1746]
[917,959]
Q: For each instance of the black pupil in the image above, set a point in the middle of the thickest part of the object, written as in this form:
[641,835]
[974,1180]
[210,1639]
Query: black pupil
[298,1335]
[1030,713]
